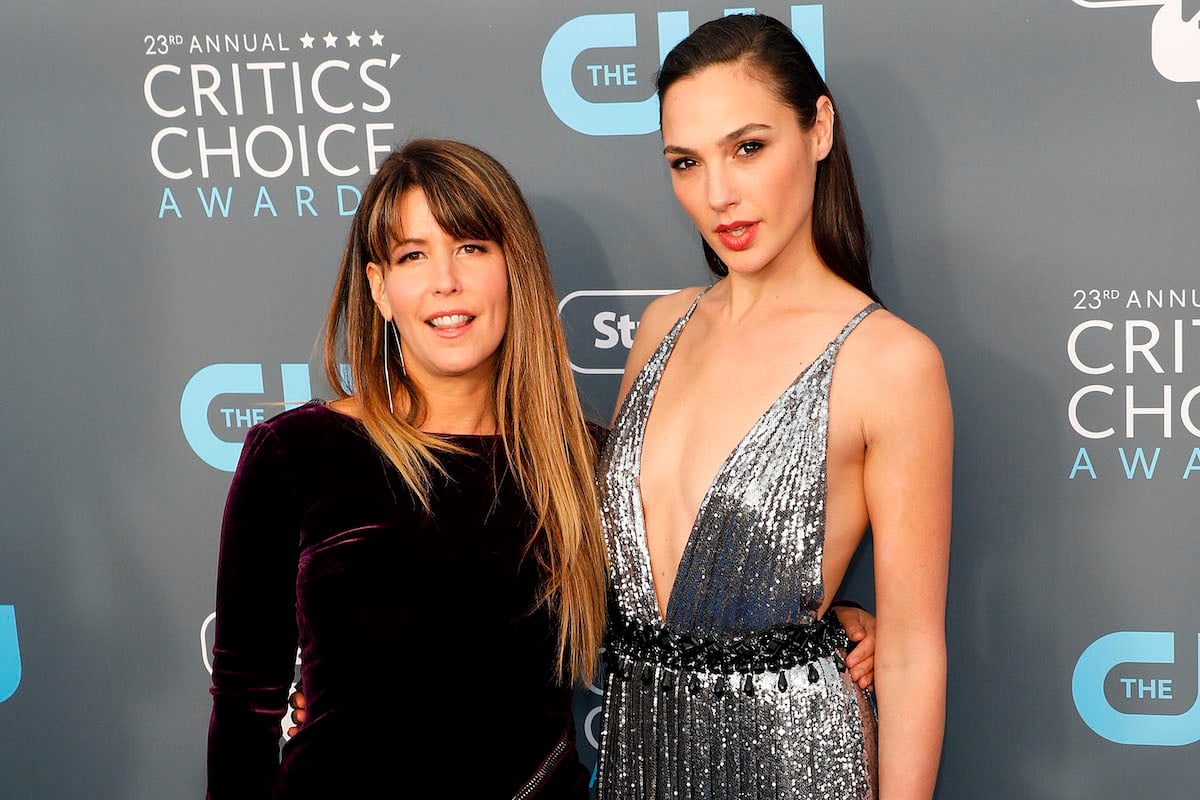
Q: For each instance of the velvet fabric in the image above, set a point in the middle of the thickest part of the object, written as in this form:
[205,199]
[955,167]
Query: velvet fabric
[424,659]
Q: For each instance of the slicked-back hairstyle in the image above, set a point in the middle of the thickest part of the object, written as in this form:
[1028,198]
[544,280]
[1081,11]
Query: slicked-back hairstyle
[770,52]
[537,410]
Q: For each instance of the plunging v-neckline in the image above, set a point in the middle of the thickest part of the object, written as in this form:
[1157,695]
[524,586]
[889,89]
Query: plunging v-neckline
[669,343]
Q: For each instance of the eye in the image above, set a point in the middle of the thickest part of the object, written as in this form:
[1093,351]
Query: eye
[748,148]
[410,256]
[474,247]
[683,164]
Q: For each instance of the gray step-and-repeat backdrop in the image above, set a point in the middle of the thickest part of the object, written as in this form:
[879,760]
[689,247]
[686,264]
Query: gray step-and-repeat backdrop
[177,180]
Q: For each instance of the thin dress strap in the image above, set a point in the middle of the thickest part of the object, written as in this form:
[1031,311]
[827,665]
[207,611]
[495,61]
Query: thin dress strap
[853,323]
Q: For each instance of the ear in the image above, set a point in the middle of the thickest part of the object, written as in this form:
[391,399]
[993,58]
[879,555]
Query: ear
[375,279]
[823,127]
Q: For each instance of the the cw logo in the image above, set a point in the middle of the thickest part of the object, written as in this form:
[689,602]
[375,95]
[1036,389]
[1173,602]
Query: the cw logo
[10,653]
[601,31]
[232,379]
[1132,647]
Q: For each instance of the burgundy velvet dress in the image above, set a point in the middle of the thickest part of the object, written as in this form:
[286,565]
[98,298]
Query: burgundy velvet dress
[424,660]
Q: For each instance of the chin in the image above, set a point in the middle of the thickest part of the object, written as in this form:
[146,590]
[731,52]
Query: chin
[459,370]
[744,265]
[465,368]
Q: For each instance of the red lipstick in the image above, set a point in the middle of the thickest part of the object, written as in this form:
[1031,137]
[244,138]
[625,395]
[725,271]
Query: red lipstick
[737,235]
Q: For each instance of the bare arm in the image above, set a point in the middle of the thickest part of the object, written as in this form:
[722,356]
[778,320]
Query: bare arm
[907,475]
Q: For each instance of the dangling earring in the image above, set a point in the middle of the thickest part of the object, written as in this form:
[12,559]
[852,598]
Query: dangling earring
[399,352]
[387,379]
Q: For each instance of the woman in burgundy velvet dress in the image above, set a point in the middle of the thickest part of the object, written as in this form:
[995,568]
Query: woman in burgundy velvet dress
[430,541]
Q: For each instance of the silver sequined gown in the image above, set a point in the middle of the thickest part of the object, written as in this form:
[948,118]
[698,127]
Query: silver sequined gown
[741,692]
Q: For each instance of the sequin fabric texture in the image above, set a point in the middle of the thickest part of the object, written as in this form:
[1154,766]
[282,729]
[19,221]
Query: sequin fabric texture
[733,727]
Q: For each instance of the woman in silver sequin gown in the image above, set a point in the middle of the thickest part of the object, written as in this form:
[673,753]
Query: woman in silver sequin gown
[729,527]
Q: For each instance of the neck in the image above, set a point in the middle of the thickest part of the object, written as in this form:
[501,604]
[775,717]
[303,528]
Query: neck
[796,277]
[458,406]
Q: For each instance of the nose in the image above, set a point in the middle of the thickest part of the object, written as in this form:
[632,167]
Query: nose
[719,188]
[446,279]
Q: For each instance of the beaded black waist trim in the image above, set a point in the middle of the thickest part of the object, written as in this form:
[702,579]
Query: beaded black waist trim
[773,649]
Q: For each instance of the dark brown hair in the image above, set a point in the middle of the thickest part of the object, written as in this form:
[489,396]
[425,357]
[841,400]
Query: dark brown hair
[772,53]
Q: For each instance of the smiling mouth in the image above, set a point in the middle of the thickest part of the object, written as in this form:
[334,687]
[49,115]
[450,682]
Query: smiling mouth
[449,320]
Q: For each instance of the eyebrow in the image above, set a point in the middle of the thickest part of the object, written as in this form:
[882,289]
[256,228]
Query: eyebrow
[406,242]
[732,136]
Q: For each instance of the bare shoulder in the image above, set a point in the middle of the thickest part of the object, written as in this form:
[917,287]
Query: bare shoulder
[890,348]
[894,370]
[664,311]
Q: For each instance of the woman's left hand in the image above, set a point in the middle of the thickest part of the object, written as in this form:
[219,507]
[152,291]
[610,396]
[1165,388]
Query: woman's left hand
[860,628]
[296,701]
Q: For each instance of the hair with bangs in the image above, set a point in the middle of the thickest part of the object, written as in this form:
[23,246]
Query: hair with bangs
[536,406]
[774,55]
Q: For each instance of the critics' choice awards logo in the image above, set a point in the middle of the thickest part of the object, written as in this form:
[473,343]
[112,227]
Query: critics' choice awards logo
[1137,352]
[259,125]
[1126,689]
[594,87]
[10,653]
[1135,411]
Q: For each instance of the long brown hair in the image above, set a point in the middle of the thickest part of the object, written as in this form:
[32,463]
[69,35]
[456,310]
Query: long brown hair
[534,400]
[772,52]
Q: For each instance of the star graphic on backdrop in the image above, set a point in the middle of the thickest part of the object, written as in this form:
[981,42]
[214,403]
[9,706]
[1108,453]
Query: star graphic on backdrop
[353,39]
[307,41]
[330,39]
[376,38]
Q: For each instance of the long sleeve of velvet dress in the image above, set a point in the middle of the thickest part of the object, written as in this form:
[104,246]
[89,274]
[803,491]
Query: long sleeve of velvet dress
[425,658]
